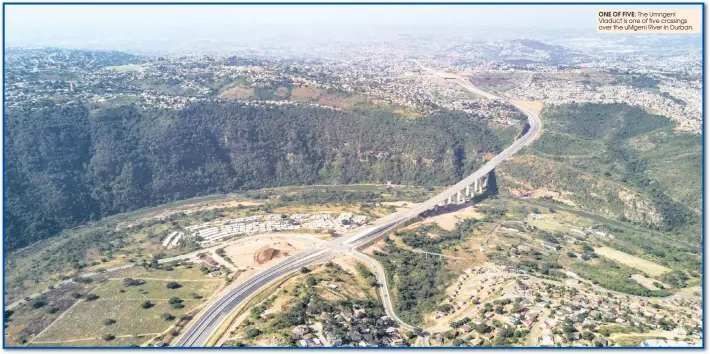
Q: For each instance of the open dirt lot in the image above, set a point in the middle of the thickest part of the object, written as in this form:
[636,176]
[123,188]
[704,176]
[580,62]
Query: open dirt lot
[261,252]
[449,220]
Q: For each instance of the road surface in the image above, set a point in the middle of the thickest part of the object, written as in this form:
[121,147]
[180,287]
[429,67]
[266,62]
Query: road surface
[202,329]
[200,332]
[384,290]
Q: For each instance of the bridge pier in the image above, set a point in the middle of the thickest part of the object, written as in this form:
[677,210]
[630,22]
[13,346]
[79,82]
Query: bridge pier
[461,197]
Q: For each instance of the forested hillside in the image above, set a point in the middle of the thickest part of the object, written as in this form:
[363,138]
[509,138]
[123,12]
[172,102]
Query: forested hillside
[67,165]
[618,161]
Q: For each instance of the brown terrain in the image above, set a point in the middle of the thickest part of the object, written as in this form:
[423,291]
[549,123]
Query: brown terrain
[267,253]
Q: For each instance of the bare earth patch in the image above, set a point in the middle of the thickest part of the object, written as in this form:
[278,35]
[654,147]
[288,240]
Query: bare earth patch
[448,221]
[268,253]
[237,93]
[531,105]
[400,205]
[262,252]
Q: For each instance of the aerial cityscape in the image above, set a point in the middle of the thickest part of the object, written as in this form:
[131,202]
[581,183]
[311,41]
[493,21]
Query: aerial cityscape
[349,176]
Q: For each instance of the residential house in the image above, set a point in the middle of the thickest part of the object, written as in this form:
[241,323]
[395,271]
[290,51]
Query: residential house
[299,331]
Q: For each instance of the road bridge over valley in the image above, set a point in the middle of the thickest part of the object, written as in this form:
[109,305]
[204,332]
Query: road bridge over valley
[209,320]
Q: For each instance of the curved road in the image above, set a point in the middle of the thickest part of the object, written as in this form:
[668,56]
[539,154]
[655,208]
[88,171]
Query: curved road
[384,290]
[204,327]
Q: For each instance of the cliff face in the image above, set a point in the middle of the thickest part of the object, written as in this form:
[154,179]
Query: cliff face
[638,209]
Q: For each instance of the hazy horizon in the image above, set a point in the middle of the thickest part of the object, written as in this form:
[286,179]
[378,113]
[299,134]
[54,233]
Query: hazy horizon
[160,27]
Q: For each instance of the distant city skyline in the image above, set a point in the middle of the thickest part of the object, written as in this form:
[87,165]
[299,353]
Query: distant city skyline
[118,26]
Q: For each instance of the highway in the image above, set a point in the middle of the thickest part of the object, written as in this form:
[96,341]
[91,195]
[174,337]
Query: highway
[207,323]
[204,327]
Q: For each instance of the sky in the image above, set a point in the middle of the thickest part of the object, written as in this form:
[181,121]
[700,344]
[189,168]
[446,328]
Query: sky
[100,25]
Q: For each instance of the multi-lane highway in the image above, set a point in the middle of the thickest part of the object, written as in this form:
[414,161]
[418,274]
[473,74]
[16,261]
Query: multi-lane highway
[207,323]
[200,332]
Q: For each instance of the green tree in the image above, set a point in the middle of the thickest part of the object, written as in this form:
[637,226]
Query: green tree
[173,285]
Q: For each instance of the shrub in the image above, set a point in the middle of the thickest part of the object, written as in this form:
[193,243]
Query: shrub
[253,332]
[176,302]
[38,303]
[311,281]
[173,285]
[82,280]
[132,282]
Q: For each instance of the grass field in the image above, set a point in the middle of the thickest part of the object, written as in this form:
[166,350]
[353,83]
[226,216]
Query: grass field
[123,341]
[86,320]
[237,92]
[624,339]
[648,267]
[154,290]
[613,276]
[181,272]
[559,221]
[83,324]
